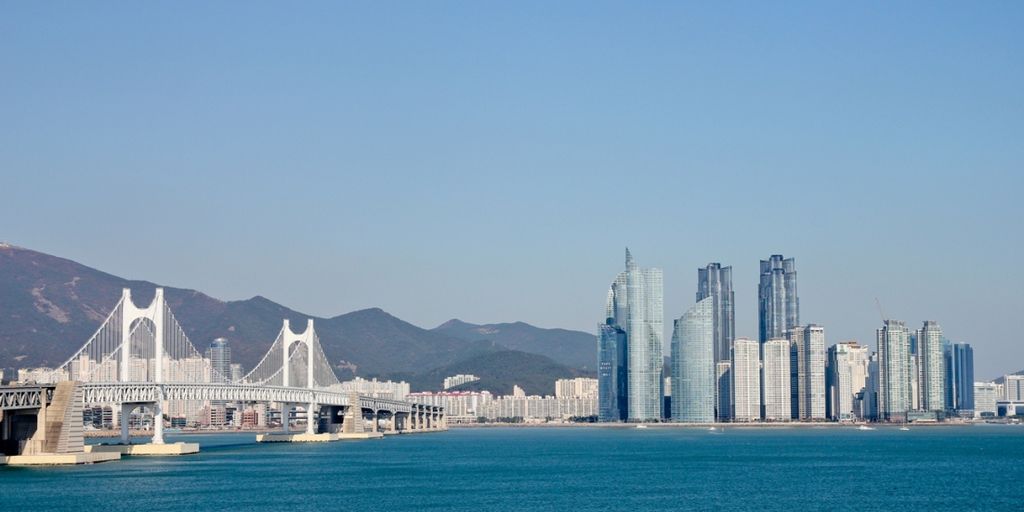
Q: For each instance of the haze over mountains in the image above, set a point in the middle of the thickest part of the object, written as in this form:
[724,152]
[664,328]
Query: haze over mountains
[50,306]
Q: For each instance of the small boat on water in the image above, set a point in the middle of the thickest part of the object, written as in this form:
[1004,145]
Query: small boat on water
[905,428]
[712,429]
[641,426]
[865,427]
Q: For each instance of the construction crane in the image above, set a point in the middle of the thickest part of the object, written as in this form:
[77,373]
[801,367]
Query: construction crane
[881,312]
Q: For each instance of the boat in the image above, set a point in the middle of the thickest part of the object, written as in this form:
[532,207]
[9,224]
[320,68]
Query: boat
[641,426]
[905,428]
[712,429]
[865,427]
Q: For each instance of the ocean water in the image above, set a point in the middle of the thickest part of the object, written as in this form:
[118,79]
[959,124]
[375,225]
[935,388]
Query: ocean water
[544,469]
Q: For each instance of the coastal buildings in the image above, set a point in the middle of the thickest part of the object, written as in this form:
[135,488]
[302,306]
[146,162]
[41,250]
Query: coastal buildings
[775,375]
[715,281]
[746,380]
[807,372]
[458,380]
[931,382]
[219,355]
[986,394]
[778,304]
[846,375]
[723,385]
[959,382]
[635,306]
[693,364]
[580,387]
[894,370]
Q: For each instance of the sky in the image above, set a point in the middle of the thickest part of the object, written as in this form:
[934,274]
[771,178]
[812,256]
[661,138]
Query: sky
[491,162]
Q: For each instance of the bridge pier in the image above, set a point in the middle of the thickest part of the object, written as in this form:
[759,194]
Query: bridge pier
[286,412]
[126,411]
[158,423]
[311,425]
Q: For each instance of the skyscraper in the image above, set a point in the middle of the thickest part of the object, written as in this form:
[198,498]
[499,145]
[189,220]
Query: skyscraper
[693,365]
[715,281]
[960,379]
[894,367]
[776,379]
[931,361]
[846,374]
[723,378]
[611,372]
[807,374]
[746,380]
[635,306]
[778,304]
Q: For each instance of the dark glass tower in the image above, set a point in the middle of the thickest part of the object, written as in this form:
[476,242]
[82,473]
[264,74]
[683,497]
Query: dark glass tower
[778,304]
[960,378]
[715,281]
[612,361]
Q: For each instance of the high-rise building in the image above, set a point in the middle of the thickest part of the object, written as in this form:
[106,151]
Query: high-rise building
[635,306]
[746,380]
[959,385]
[611,372]
[219,355]
[775,376]
[778,304]
[846,374]
[1013,388]
[715,281]
[723,379]
[807,372]
[580,387]
[931,361]
[693,364]
[894,371]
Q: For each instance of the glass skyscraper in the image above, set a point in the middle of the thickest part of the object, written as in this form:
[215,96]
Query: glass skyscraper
[778,304]
[611,372]
[219,355]
[635,306]
[960,379]
[693,364]
[715,281]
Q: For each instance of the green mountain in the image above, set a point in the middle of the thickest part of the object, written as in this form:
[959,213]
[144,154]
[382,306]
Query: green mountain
[50,306]
[572,348]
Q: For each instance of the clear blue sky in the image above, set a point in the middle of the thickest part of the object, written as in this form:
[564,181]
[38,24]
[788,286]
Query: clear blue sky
[490,162]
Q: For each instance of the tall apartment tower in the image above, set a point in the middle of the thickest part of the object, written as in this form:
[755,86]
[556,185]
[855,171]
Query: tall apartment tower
[778,304]
[807,372]
[693,365]
[846,375]
[894,369]
[723,380]
[775,375]
[715,281]
[746,380]
[635,306]
[960,379]
[930,358]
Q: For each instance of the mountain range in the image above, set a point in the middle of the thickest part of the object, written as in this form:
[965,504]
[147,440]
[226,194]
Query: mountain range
[50,306]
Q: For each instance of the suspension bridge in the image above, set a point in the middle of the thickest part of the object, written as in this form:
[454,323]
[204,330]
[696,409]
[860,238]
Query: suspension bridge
[141,357]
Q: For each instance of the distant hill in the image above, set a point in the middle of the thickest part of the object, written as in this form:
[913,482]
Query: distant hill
[573,348]
[50,306]
[499,371]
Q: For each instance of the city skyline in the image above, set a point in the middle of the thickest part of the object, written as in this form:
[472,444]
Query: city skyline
[252,161]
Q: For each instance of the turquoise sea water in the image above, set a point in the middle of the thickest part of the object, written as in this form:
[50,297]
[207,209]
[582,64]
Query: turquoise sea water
[541,469]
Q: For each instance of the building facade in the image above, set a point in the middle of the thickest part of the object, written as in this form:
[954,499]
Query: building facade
[746,380]
[894,371]
[723,385]
[715,281]
[959,382]
[778,304]
[775,376]
[932,376]
[693,364]
[635,305]
[846,375]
